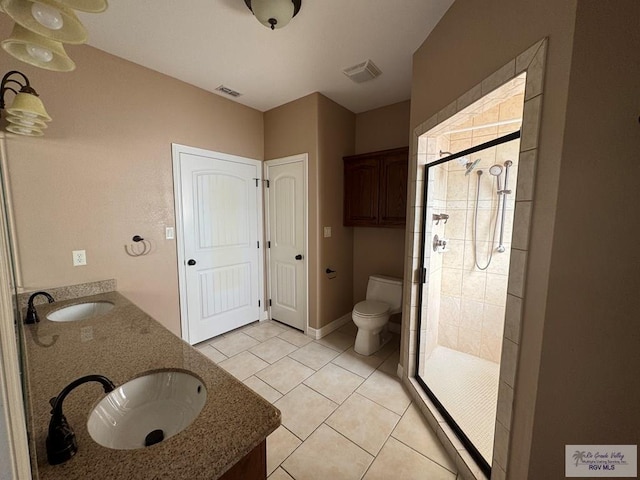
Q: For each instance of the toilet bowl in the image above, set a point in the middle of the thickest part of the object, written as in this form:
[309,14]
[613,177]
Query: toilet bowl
[384,298]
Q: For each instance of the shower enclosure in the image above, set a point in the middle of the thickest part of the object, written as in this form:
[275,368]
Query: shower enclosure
[469,197]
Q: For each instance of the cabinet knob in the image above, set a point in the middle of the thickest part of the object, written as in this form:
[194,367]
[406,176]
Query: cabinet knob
[298,257]
[191,262]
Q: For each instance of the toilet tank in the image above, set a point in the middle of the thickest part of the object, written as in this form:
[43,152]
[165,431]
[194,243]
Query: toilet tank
[386,289]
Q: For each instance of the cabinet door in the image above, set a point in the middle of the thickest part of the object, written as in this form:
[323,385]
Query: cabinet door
[361,180]
[393,190]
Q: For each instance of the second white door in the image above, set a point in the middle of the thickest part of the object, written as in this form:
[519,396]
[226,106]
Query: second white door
[287,226]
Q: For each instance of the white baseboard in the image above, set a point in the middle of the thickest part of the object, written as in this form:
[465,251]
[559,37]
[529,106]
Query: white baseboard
[327,329]
[264,316]
[400,371]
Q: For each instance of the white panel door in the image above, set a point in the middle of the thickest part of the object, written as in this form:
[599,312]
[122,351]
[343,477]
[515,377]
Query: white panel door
[287,237]
[220,233]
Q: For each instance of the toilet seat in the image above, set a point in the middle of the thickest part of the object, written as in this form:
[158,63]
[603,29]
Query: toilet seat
[370,308]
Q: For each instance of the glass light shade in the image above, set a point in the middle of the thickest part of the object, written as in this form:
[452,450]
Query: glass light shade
[90,6]
[26,105]
[71,30]
[26,122]
[34,49]
[28,131]
[269,11]
[47,16]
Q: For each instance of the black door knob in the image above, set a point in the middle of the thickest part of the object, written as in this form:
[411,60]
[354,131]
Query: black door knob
[191,262]
[298,257]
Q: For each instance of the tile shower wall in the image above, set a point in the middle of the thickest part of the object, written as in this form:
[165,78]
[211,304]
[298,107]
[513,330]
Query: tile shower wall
[471,309]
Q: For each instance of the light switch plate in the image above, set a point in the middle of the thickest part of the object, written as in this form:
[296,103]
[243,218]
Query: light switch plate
[169,233]
[327,232]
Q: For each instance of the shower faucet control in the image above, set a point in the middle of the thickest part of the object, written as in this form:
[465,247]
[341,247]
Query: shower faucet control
[439,244]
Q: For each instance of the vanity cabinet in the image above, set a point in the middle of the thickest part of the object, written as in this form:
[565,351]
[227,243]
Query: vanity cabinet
[375,189]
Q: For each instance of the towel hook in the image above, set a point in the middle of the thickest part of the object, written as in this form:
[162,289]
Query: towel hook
[134,249]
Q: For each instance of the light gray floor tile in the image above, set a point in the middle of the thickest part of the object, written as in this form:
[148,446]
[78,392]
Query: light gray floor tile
[212,353]
[338,341]
[386,391]
[359,364]
[414,431]
[364,422]
[349,328]
[334,382]
[280,474]
[243,365]
[273,349]
[285,374]
[390,365]
[396,460]
[280,444]
[265,391]
[296,338]
[327,455]
[233,344]
[314,355]
[303,410]
[265,330]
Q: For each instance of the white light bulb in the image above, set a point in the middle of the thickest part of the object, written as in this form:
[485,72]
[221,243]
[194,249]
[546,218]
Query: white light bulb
[47,16]
[39,53]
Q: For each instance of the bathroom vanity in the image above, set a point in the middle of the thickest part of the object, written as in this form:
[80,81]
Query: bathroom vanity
[227,440]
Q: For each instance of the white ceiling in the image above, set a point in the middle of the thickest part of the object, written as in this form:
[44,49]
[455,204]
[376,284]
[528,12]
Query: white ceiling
[208,43]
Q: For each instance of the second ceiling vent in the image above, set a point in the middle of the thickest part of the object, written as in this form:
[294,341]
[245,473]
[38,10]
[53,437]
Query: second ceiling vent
[363,72]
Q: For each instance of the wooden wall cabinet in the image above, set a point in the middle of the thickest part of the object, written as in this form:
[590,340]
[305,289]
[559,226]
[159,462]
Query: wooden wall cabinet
[375,189]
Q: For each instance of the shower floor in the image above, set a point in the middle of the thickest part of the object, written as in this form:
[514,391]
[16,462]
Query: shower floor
[467,386]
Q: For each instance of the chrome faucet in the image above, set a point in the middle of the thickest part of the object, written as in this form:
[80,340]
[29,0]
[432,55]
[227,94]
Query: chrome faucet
[32,314]
[61,440]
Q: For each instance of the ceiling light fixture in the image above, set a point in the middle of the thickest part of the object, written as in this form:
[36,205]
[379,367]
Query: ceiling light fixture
[41,28]
[274,13]
[26,115]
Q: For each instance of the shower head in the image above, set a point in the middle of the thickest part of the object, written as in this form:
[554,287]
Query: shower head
[508,163]
[470,166]
[495,170]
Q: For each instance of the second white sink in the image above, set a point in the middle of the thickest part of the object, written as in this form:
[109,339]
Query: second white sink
[147,410]
[80,311]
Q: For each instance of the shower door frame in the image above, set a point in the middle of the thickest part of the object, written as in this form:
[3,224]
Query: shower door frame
[468,444]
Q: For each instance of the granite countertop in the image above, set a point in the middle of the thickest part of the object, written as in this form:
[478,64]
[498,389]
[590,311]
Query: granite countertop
[121,345]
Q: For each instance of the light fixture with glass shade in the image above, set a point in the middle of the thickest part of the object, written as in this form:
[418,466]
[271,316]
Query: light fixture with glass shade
[274,13]
[37,50]
[26,115]
[41,28]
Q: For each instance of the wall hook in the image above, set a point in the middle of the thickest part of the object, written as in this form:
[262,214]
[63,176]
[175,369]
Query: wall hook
[139,248]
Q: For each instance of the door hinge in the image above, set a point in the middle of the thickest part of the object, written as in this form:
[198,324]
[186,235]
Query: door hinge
[258,243]
[269,244]
[268,183]
[259,302]
[269,302]
[257,180]
[423,275]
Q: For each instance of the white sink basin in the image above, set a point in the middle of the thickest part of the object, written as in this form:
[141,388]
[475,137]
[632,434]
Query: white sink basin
[81,311]
[147,410]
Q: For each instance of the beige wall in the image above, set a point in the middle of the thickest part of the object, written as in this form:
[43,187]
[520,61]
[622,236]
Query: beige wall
[578,290]
[317,126]
[588,390]
[379,129]
[336,132]
[102,173]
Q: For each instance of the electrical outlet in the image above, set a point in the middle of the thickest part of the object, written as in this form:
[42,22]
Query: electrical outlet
[169,233]
[79,258]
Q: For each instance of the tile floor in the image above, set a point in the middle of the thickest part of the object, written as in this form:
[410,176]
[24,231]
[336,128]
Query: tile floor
[344,416]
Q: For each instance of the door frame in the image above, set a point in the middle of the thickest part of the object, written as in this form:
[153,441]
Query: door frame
[304,158]
[176,150]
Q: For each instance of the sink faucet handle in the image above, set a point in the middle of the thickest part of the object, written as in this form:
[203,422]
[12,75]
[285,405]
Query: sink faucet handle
[32,314]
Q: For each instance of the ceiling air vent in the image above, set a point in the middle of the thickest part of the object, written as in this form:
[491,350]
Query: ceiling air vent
[363,72]
[228,91]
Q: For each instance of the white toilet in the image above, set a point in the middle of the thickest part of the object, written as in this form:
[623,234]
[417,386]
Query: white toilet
[384,298]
